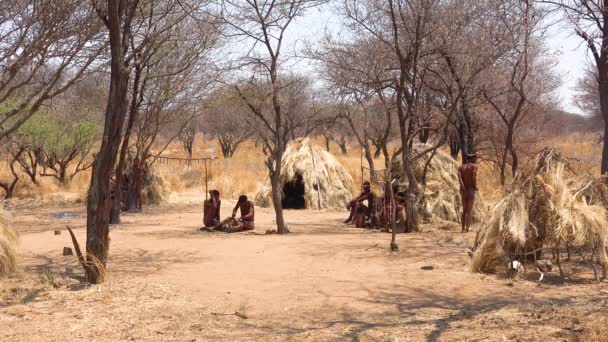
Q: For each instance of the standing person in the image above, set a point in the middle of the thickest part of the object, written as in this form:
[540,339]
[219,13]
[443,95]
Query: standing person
[358,210]
[467,176]
[211,209]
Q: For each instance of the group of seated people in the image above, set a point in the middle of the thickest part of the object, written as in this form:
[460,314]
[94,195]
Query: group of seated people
[376,214]
[211,215]
[373,214]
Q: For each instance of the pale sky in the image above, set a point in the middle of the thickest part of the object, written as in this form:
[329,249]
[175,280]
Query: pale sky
[571,62]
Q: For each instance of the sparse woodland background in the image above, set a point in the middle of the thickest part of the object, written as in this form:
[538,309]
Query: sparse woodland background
[87,86]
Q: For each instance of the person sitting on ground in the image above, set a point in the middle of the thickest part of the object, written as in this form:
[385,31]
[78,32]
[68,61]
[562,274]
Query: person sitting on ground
[211,209]
[467,176]
[232,224]
[359,211]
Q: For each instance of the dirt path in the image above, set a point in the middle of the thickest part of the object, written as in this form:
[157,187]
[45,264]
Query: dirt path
[323,281]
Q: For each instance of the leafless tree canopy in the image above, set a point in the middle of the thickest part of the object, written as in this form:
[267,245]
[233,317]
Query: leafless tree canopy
[45,47]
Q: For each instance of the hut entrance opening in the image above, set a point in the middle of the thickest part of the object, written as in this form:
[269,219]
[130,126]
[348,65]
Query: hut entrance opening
[293,193]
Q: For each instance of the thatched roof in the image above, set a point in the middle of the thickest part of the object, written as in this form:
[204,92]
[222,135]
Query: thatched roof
[550,203]
[324,178]
[8,245]
[442,200]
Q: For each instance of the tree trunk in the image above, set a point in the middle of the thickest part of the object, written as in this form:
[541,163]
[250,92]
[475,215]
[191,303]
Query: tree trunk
[423,136]
[326,142]
[514,161]
[503,162]
[370,160]
[603,93]
[98,200]
[378,151]
[342,144]
[9,189]
[411,219]
[133,113]
[387,158]
[277,192]
[454,145]
[62,173]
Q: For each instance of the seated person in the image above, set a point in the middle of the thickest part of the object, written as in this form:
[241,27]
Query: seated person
[359,211]
[211,209]
[232,224]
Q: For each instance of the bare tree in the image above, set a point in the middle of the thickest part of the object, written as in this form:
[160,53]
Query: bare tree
[468,43]
[45,47]
[263,24]
[187,137]
[358,75]
[12,153]
[588,19]
[122,19]
[587,97]
[226,118]
[172,32]
[521,78]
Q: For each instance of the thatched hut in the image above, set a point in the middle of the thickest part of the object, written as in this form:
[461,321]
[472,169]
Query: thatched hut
[155,188]
[441,198]
[310,178]
[550,204]
[8,245]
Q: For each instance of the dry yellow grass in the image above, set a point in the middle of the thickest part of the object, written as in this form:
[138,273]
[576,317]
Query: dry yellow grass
[245,172]
[545,207]
[8,245]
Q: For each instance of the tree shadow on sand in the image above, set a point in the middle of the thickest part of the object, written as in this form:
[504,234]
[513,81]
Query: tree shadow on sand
[415,313]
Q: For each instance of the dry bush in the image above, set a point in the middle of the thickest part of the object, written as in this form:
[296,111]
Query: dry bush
[8,245]
[547,205]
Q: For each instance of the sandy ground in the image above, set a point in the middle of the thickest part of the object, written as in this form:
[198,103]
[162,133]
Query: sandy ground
[322,282]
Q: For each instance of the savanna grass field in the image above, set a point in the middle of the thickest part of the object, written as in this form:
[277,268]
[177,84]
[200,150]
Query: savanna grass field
[324,281]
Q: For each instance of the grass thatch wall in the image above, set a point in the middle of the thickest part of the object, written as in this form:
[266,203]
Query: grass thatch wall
[8,245]
[442,200]
[321,172]
[549,204]
[156,188]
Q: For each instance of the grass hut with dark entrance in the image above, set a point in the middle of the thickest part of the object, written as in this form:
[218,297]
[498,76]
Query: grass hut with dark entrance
[311,178]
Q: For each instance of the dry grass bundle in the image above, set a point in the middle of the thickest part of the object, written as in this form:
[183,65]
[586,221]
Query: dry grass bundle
[441,198]
[8,245]
[548,205]
[156,188]
[323,176]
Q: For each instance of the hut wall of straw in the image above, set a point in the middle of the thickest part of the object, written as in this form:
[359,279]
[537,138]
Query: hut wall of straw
[8,245]
[324,178]
[441,198]
[155,188]
[549,204]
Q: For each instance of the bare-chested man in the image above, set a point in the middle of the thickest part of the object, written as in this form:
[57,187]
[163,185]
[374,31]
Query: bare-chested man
[245,222]
[232,224]
[211,209]
[467,176]
[359,211]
